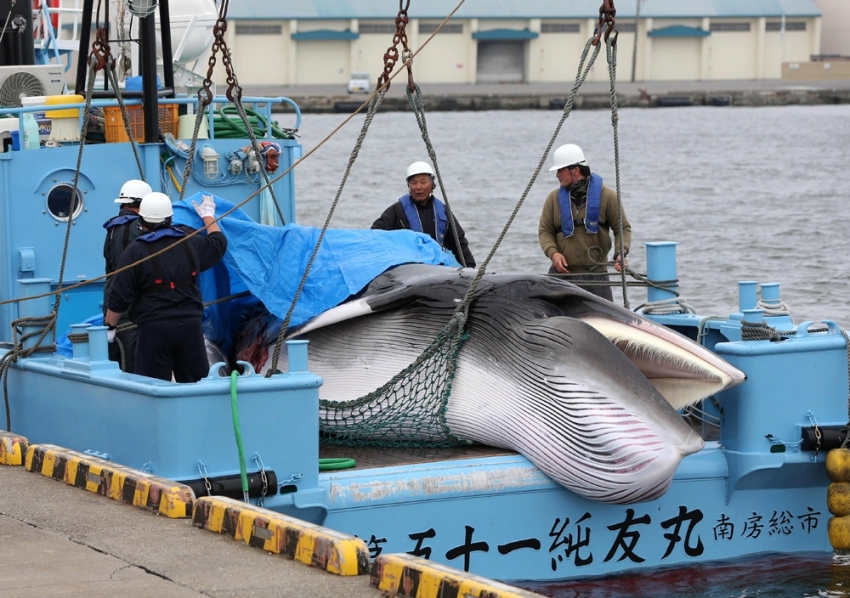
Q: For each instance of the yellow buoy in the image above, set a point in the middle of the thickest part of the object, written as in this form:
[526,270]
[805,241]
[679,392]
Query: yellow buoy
[838,465]
[839,532]
[838,499]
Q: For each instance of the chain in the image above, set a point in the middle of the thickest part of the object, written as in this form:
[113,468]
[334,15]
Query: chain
[818,434]
[292,479]
[259,461]
[219,44]
[203,471]
[391,56]
[607,18]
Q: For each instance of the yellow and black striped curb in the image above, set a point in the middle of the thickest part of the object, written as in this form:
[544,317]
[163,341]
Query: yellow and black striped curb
[13,448]
[314,545]
[414,577]
[117,482]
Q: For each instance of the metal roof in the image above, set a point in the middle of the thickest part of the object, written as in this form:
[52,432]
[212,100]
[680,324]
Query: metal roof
[512,9]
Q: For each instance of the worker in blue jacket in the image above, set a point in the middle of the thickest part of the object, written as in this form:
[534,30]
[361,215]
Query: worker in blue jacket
[121,230]
[420,211]
[161,295]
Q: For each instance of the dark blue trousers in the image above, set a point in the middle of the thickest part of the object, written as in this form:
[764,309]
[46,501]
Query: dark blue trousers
[172,346]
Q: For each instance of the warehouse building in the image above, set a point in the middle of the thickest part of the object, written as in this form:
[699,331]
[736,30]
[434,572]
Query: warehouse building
[323,41]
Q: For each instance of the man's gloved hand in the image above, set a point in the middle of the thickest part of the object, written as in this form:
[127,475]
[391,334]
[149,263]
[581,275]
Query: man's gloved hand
[110,334]
[206,208]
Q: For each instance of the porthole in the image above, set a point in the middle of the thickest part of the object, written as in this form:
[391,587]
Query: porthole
[59,202]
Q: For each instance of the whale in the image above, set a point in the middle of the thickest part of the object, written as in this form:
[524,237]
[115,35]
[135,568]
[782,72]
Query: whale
[588,391]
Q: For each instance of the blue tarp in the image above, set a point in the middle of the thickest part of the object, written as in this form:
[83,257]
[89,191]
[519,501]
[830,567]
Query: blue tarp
[270,261]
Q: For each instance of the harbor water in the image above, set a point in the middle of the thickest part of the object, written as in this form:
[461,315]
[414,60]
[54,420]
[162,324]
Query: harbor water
[749,193]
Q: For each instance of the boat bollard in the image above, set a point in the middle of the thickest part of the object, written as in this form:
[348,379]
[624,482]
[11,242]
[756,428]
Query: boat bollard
[747,296]
[661,266]
[80,347]
[753,316]
[770,298]
[297,351]
[770,292]
[98,343]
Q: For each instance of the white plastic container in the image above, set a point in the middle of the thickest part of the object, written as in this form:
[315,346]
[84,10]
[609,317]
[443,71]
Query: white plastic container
[32,141]
[35,101]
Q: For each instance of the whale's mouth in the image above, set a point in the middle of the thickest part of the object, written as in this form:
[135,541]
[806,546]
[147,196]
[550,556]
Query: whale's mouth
[682,371]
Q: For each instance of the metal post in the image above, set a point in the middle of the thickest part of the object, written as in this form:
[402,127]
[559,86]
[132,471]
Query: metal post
[81,349]
[747,295]
[84,50]
[98,344]
[661,265]
[34,308]
[297,351]
[770,293]
[753,316]
[147,37]
[634,53]
[165,39]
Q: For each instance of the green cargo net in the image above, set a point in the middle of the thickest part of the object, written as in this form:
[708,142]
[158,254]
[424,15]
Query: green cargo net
[409,410]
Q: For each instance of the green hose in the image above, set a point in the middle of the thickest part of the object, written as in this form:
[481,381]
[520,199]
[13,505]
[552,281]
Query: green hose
[234,407]
[336,463]
[227,124]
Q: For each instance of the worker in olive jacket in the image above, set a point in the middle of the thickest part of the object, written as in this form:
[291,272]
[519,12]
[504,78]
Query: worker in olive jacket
[577,221]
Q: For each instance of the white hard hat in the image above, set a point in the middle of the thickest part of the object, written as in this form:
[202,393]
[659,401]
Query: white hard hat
[568,155]
[419,168]
[156,207]
[133,191]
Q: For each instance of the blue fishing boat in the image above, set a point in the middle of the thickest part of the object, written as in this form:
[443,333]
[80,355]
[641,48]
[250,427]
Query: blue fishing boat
[606,484]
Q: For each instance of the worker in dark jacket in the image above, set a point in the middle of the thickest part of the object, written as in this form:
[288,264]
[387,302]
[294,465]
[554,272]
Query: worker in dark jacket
[122,230]
[162,294]
[420,211]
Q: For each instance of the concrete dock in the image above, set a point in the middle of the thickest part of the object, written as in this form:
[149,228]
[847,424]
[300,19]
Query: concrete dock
[58,540]
[592,95]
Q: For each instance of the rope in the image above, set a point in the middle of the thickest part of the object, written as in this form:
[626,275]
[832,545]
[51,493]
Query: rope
[124,117]
[774,308]
[18,351]
[701,333]
[611,51]
[93,61]
[759,331]
[258,151]
[418,107]
[370,114]
[673,305]
[581,75]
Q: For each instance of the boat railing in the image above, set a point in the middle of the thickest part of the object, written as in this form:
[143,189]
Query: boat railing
[261,105]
